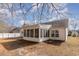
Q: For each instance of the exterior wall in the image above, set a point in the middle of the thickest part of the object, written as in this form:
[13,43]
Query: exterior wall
[62,34]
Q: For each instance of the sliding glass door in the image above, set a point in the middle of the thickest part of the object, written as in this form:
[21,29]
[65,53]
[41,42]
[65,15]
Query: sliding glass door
[44,33]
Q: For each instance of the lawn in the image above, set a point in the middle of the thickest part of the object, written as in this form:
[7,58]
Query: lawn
[50,48]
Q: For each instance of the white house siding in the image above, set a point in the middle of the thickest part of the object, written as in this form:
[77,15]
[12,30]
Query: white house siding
[9,35]
[62,34]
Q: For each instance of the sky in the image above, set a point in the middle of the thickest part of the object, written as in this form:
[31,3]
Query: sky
[29,18]
[71,10]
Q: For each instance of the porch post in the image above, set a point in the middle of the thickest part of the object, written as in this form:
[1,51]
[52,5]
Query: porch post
[39,33]
[66,32]
[34,33]
[43,33]
[49,33]
[26,32]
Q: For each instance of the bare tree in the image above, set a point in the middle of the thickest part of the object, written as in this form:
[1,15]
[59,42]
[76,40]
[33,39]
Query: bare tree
[74,24]
[39,11]
[45,10]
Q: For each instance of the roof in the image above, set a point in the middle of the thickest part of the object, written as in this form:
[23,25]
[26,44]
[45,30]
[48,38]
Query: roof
[54,24]
[15,30]
[58,23]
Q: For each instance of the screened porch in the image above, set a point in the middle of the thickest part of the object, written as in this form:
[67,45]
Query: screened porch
[36,32]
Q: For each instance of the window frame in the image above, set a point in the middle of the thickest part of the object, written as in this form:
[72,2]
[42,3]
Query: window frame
[55,33]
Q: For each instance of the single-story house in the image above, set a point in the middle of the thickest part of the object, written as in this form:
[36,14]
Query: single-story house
[15,30]
[54,30]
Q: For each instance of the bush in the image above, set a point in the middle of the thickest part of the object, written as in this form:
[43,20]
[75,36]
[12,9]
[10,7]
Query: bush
[69,33]
[74,35]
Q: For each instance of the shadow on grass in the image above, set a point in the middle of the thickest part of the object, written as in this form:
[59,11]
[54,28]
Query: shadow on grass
[17,44]
[54,42]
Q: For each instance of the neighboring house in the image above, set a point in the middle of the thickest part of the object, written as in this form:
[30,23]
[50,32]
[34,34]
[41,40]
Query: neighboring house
[78,32]
[69,33]
[15,30]
[7,31]
[73,33]
[54,30]
[3,27]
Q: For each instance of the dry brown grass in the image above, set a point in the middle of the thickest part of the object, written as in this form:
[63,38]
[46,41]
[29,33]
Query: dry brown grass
[21,47]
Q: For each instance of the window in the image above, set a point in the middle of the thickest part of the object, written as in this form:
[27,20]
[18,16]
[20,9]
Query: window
[36,33]
[54,33]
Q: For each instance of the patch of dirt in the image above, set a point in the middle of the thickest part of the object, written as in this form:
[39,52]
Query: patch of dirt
[14,47]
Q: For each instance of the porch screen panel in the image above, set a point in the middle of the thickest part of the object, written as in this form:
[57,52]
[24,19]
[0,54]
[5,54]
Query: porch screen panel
[37,33]
[44,33]
[41,33]
[31,32]
[24,33]
[47,33]
[28,33]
